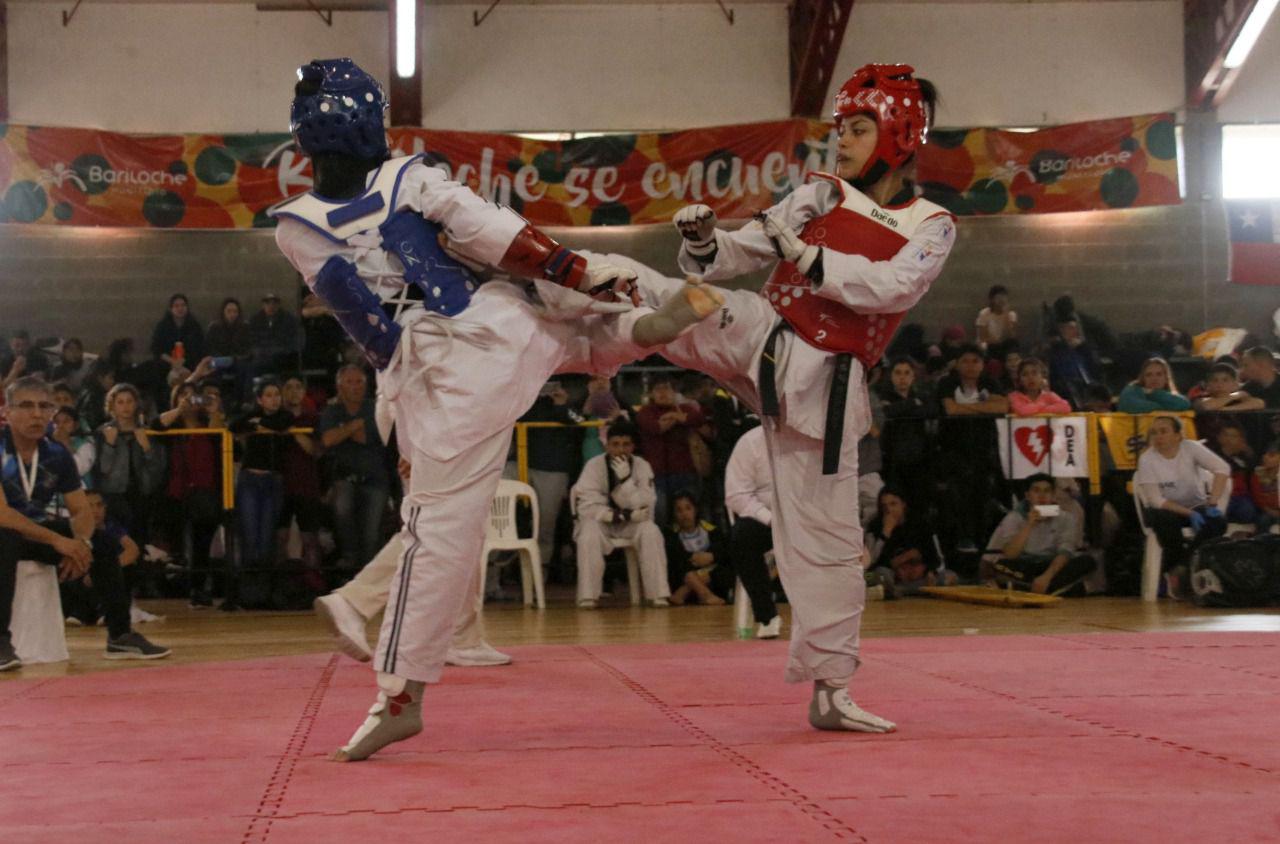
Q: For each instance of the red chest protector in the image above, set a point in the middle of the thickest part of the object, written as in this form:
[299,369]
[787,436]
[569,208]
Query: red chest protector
[855,227]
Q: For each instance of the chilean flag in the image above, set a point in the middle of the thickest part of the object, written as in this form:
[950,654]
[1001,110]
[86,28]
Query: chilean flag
[1254,229]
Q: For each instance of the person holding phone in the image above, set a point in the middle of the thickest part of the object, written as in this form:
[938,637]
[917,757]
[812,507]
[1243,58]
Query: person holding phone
[1036,542]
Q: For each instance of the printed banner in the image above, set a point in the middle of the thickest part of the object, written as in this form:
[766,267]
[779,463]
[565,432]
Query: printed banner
[87,177]
[1057,446]
[1126,434]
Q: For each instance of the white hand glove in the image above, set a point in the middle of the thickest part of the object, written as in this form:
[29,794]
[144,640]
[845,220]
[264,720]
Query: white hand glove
[611,285]
[621,467]
[640,514]
[697,225]
[788,244]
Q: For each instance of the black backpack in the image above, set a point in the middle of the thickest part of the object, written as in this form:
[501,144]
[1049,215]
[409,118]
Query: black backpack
[1237,573]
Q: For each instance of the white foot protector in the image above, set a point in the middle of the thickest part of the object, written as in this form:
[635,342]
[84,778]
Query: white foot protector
[833,709]
[395,716]
[344,624]
[479,656]
[689,306]
[772,630]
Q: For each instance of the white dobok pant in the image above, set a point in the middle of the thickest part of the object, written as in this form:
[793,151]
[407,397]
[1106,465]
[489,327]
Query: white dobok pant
[596,539]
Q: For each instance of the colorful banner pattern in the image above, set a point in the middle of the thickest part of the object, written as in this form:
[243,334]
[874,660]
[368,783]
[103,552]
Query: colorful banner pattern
[1126,434]
[90,178]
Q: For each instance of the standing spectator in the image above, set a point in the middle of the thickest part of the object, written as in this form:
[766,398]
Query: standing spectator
[1153,390]
[666,425]
[615,498]
[871,458]
[969,452]
[1037,543]
[906,443]
[260,487]
[323,338]
[356,461]
[1073,363]
[72,368]
[302,488]
[1171,487]
[1264,488]
[552,458]
[1223,391]
[1033,395]
[212,404]
[697,556]
[748,496]
[1230,443]
[900,549]
[1258,366]
[177,326]
[67,433]
[22,359]
[275,339]
[194,488]
[601,404]
[129,465]
[34,472]
[997,325]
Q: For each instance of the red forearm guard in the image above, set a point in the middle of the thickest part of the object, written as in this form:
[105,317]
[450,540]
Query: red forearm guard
[535,255]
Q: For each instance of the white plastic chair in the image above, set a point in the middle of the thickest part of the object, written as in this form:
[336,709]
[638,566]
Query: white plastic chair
[500,534]
[39,633]
[742,618]
[628,547]
[1152,553]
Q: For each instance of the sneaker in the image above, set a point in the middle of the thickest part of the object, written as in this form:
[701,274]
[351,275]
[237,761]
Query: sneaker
[772,630]
[833,709]
[133,646]
[875,593]
[201,601]
[137,615]
[587,604]
[8,657]
[480,656]
[72,621]
[345,624]
[660,603]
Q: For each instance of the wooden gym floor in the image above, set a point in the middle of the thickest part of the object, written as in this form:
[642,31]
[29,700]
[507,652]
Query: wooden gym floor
[209,635]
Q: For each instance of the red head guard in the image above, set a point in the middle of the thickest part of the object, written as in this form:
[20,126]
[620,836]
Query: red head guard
[890,94]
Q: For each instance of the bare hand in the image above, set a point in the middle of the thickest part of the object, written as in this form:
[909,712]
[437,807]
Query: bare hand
[69,569]
[1041,584]
[702,559]
[358,432]
[1034,517]
[559,397]
[404,467]
[143,439]
[203,368]
[74,550]
[19,366]
[111,434]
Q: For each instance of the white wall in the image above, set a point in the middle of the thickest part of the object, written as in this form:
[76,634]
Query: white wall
[1030,64]
[1255,95]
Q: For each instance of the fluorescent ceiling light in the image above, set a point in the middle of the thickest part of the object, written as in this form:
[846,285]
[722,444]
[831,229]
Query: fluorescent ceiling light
[406,43]
[1249,33]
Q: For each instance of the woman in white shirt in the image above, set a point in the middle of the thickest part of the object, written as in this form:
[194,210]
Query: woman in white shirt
[1170,483]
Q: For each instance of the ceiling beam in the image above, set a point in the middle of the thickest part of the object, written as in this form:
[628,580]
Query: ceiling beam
[816,31]
[1210,28]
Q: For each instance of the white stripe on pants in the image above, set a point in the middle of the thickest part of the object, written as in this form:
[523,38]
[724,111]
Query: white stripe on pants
[445,513]
[593,538]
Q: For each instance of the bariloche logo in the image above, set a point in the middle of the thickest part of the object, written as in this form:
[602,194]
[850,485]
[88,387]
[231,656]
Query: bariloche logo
[59,174]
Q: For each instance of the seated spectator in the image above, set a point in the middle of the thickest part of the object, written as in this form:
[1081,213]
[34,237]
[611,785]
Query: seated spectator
[1152,391]
[193,492]
[1223,391]
[1073,363]
[228,337]
[177,326]
[905,444]
[148,379]
[1172,490]
[1034,396]
[79,599]
[698,563]
[900,549]
[614,499]
[1264,488]
[997,325]
[1098,399]
[260,486]
[953,342]
[34,471]
[1099,335]
[129,466]
[302,488]
[969,456]
[748,496]
[22,359]
[1231,444]
[275,339]
[1005,370]
[355,462]
[666,426]
[63,395]
[72,368]
[1037,544]
[1258,366]
[66,431]
[92,401]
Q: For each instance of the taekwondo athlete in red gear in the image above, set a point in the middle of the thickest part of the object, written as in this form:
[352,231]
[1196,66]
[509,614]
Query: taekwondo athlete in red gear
[459,360]
[853,251]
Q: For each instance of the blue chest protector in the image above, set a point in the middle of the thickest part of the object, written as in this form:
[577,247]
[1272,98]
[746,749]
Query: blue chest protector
[431,277]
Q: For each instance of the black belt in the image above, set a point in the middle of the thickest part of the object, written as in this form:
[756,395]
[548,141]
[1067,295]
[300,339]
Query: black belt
[833,434]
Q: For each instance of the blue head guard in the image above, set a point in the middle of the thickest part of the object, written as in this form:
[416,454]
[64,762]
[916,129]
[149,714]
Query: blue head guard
[344,116]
